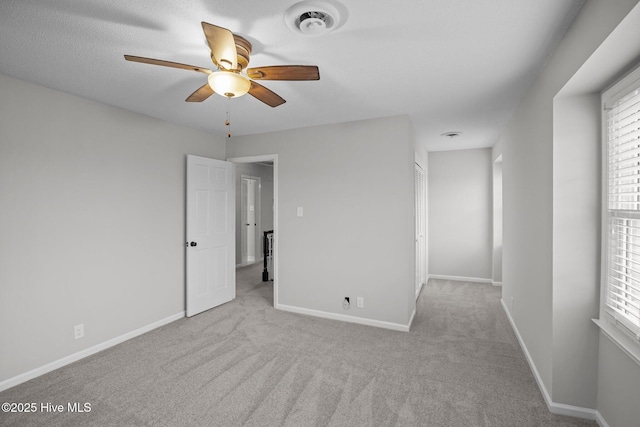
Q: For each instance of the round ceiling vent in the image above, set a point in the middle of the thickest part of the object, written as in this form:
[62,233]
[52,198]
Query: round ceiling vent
[315,18]
[451,135]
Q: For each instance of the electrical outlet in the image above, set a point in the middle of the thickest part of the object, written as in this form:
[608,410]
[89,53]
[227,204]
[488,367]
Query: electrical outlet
[78,331]
[360,302]
[346,304]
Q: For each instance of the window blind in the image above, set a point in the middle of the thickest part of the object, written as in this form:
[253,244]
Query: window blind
[621,291]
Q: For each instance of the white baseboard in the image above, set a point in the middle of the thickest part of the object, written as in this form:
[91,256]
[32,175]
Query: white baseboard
[572,411]
[21,378]
[496,283]
[411,319]
[554,408]
[347,318]
[460,278]
[601,422]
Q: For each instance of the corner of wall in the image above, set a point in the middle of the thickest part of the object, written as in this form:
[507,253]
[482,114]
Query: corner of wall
[554,408]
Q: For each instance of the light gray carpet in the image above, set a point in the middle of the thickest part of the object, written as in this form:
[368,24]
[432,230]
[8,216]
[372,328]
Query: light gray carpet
[246,364]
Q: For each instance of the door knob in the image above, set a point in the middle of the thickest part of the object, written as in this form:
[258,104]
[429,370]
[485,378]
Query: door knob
[193,244]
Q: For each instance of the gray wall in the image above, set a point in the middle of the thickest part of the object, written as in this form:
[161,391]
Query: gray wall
[618,386]
[460,213]
[497,221]
[356,238]
[576,247]
[551,230]
[91,222]
[265,173]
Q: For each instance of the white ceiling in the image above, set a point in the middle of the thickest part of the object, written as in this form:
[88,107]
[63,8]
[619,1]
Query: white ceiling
[451,65]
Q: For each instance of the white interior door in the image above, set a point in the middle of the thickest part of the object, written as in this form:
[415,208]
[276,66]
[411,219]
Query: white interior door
[211,274]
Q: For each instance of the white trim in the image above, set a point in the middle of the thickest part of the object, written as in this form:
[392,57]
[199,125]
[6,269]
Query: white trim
[460,278]
[347,318]
[572,411]
[620,88]
[496,283]
[421,250]
[413,314]
[615,332]
[554,408]
[620,339]
[600,420]
[274,159]
[21,378]
[420,161]
[253,159]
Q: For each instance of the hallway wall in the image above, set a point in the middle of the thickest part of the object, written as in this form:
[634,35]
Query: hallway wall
[460,214]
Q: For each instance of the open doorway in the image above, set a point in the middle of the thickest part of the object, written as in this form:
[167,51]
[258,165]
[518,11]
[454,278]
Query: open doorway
[257,205]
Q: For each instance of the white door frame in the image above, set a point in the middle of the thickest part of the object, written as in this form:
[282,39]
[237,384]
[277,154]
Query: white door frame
[420,207]
[269,158]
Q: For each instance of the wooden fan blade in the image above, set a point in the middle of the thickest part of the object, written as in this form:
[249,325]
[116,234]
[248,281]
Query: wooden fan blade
[265,95]
[166,63]
[222,45]
[285,72]
[200,94]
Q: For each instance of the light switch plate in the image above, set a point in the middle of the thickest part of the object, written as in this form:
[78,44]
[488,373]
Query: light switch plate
[300,211]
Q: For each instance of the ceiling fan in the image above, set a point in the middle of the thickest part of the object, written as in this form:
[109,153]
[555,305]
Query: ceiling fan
[230,53]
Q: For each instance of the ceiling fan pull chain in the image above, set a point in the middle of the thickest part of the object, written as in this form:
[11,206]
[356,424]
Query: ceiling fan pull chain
[228,122]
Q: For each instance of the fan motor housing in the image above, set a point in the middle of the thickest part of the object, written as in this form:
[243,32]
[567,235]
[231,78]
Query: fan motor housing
[243,49]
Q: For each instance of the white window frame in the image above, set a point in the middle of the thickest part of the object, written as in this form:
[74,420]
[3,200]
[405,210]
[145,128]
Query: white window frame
[621,330]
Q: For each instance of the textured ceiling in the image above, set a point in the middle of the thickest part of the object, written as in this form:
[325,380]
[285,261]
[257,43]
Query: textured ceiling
[451,65]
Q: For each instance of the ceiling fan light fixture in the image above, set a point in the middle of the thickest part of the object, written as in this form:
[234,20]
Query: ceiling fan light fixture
[229,84]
